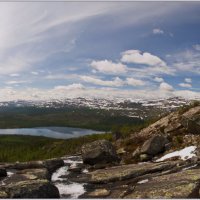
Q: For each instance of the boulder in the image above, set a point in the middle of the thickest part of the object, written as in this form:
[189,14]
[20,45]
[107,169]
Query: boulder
[99,152]
[29,183]
[40,188]
[154,145]
[184,184]
[191,120]
[53,164]
[3,172]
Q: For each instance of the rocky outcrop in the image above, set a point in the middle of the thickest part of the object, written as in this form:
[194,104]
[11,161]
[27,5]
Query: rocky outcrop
[51,165]
[99,152]
[191,120]
[40,188]
[128,171]
[29,183]
[185,184]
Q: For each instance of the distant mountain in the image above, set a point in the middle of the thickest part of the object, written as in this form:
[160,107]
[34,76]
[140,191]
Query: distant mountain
[121,107]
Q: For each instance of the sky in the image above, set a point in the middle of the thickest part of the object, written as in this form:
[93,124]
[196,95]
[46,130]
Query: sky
[136,50]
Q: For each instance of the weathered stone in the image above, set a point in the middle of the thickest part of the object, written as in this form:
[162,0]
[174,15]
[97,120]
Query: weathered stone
[191,120]
[32,189]
[53,164]
[154,145]
[3,172]
[98,193]
[26,165]
[99,152]
[3,194]
[125,172]
[145,157]
[183,184]
[136,153]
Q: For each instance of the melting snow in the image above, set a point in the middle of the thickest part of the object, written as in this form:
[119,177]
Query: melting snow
[185,154]
[143,181]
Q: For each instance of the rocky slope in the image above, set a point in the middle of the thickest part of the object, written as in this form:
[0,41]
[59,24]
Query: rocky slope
[160,161]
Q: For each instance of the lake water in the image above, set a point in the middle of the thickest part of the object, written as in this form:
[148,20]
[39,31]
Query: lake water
[52,132]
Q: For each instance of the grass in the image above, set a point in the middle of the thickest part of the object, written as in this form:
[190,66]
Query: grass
[26,148]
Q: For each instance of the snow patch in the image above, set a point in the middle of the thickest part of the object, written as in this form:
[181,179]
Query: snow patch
[185,154]
[143,181]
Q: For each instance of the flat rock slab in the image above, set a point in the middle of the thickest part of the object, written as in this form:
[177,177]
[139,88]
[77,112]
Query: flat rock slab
[184,184]
[131,171]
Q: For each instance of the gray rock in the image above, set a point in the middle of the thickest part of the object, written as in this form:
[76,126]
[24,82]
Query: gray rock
[184,184]
[3,172]
[32,189]
[99,152]
[191,120]
[53,164]
[154,145]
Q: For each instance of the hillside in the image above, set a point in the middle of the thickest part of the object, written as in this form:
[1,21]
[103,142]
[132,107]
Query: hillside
[159,161]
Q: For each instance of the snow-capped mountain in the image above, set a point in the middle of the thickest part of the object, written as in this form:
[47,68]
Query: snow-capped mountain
[123,107]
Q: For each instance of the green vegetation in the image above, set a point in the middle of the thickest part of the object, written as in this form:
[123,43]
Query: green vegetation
[96,119]
[26,148]
[185,108]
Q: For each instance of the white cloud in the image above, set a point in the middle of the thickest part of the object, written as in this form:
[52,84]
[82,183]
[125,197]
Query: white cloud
[34,73]
[166,87]
[187,61]
[62,77]
[188,80]
[158,79]
[74,86]
[14,75]
[186,85]
[108,67]
[196,47]
[137,57]
[78,90]
[16,82]
[158,31]
[135,82]
[116,82]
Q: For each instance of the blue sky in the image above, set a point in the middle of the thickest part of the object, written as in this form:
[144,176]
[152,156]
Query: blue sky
[99,49]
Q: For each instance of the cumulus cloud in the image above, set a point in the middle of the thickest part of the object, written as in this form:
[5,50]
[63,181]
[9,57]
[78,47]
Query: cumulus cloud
[108,67]
[137,57]
[158,79]
[186,85]
[166,87]
[188,80]
[158,31]
[187,61]
[135,82]
[116,82]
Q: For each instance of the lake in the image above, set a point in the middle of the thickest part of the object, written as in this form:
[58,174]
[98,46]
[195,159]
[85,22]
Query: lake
[52,132]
